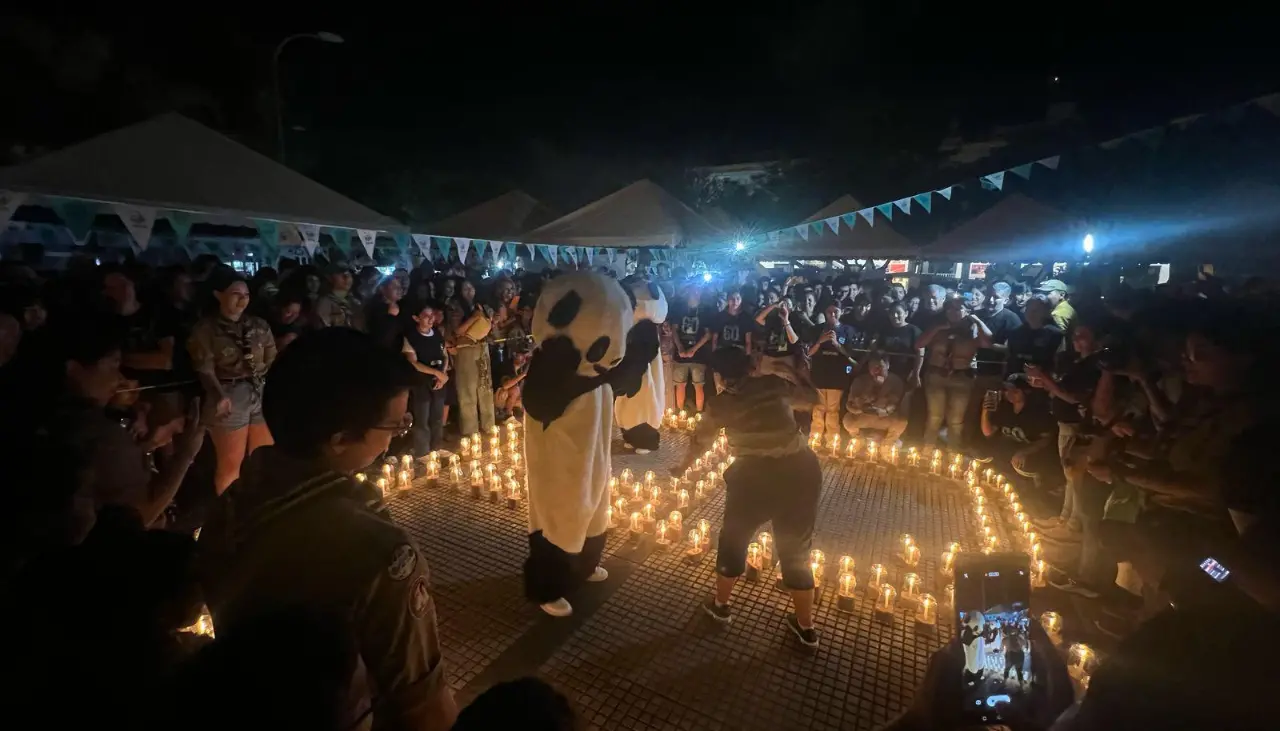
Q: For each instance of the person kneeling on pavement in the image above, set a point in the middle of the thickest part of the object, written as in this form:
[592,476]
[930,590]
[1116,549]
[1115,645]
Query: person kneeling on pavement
[1019,429]
[874,399]
[776,478]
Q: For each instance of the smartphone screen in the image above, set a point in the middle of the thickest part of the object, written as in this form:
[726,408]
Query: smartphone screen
[1215,569]
[993,619]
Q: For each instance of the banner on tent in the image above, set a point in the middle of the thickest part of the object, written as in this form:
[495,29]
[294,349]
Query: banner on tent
[464,246]
[368,239]
[424,244]
[138,220]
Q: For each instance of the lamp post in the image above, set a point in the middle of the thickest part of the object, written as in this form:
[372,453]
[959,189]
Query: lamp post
[275,79]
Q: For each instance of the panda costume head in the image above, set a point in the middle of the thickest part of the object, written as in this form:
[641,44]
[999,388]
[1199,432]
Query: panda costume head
[639,386]
[580,328]
[647,300]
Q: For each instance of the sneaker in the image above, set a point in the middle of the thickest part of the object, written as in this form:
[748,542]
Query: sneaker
[642,452]
[600,574]
[1071,586]
[808,637]
[982,460]
[717,612]
[1045,524]
[559,608]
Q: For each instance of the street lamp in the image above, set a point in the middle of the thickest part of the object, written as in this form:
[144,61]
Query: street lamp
[1088,243]
[275,79]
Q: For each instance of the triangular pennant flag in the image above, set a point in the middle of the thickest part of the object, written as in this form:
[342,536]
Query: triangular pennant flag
[995,180]
[1022,171]
[510,249]
[181,222]
[495,250]
[944,192]
[424,244]
[925,201]
[289,235]
[310,237]
[571,253]
[1049,162]
[904,205]
[817,227]
[1183,122]
[9,204]
[868,215]
[591,255]
[138,219]
[443,244]
[402,242]
[76,215]
[834,224]
[803,230]
[368,239]
[611,254]
[1112,144]
[886,210]
[268,232]
[464,246]
[1270,102]
[849,219]
[342,239]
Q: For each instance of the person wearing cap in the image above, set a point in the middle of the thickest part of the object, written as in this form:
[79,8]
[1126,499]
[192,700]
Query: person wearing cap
[1019,427]
[338,307]
[1055,293]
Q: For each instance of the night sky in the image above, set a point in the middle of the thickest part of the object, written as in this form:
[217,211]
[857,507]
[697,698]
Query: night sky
[467,101]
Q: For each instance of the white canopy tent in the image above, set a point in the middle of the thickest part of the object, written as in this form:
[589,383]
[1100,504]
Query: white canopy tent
[860,241]
[497,219]
[171,162]
[1015,229]
[640,215]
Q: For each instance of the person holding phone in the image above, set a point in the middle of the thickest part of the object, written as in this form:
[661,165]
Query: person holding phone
[1019,428]
[831,366]
[873,401]
[950,347]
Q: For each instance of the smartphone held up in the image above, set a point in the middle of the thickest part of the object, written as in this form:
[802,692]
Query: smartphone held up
[993,619]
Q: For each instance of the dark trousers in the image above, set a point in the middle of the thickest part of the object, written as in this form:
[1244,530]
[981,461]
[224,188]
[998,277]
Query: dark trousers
[781,490]
[1014,661]
[428,408]
[551,574]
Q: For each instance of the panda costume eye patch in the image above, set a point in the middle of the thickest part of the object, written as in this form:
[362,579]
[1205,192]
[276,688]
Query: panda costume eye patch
[598,349]
[565,311]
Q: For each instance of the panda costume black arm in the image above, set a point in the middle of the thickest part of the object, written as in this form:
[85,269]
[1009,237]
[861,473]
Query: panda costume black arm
[553,382]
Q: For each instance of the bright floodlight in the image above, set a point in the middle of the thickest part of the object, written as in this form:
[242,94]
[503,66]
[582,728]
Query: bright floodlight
[739,245]
[706,276]
[502,263]
[328,37]
[1088,243]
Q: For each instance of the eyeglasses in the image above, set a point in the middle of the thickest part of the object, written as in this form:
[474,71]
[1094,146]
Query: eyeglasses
[399,430]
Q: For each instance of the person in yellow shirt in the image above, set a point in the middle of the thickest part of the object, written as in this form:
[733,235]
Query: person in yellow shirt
[1055,293]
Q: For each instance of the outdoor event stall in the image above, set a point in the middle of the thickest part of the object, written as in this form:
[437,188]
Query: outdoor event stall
[1016,229]
[170,168]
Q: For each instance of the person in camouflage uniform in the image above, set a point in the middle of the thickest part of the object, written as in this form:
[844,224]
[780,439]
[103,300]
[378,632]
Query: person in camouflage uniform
[230,353]
[339,306]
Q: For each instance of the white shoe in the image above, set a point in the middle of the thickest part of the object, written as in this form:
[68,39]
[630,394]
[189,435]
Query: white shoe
[642,451]
[559,608]
[600,574]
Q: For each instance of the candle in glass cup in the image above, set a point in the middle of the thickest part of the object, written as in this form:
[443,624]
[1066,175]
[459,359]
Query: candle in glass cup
[608,514]
[766,546]
[1080,660]
[699,490]
[1052,623]
[847,584]
[635,524]
[676,521]
[927,610]
[637,493]
[647,512]
[516,459]
[886,596]
[877,574]
[388,472]
[625,477]
[455,472]
[660,530]
[846,564]
[704,527]
[835,445]
[910,586]
[754,555]
[873,450]
[383,485]
[948,563]
[649,477]
[695,541]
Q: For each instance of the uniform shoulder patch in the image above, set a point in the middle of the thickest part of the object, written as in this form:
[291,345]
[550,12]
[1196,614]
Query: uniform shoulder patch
[403,561]
[419,598]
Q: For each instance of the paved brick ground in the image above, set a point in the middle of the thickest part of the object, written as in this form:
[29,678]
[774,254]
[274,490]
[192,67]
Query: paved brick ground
[638,652]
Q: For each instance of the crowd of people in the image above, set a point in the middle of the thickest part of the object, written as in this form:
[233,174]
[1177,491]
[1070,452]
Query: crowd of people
[143,404]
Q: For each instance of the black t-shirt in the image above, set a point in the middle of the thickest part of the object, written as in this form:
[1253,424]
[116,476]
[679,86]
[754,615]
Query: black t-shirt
[829,368]
[773,335]
[387,329]
[1079,378]
[688,323]
[429,350]
[860,334]
[1032,424]
[1002,325]
[732,329]
[143,331]
[899,343]
[1036,347]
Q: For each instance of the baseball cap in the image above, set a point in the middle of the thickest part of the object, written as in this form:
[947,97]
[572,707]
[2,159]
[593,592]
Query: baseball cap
[1052,285]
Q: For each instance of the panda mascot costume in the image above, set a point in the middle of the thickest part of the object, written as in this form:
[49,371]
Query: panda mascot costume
[580,360]
[640,416]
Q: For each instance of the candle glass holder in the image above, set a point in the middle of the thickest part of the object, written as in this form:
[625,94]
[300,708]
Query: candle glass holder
[846,585]
[676,521]
[755,561]
[660,534]
[926,615]
[847,565]
[886,602]
[876,577]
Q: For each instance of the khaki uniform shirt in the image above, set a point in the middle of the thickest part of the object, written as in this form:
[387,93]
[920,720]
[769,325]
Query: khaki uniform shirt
[274,541]
[335,311]
[241,349]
